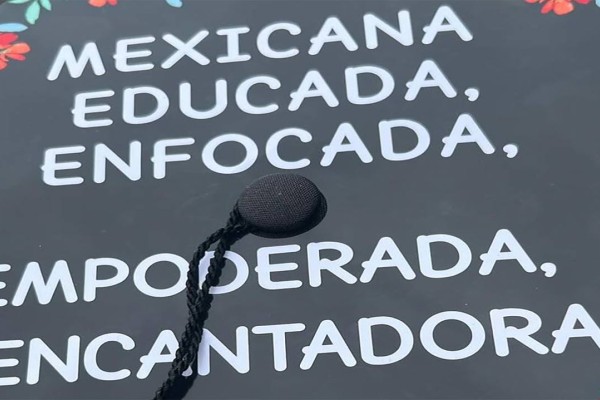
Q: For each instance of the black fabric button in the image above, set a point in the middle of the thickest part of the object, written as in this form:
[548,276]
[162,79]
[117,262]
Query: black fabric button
[282,205]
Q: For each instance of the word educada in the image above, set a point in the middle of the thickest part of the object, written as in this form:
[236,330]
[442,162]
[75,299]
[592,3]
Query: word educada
[327,341]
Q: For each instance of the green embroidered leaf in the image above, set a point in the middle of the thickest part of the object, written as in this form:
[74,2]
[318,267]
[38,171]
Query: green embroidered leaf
[33,12]
[46,4]
[12,27]
[18,1]
[179,3]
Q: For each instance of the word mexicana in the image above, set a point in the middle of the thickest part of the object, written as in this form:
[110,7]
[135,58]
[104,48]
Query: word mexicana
[332,31]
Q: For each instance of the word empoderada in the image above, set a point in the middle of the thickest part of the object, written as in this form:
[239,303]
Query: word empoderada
[272,270]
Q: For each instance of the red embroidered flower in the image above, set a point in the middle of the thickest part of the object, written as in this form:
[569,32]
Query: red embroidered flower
[560,7]
[10,50]
[102,3]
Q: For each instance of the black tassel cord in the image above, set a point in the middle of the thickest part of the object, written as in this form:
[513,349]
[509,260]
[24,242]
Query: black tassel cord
[199,300]
[274,206]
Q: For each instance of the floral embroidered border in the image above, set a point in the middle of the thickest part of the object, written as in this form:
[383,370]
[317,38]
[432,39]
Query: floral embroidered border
[13,49]
[560,7]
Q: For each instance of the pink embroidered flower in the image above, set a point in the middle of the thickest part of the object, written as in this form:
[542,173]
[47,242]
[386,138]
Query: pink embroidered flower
[9,50]
[560,7]
[102,3]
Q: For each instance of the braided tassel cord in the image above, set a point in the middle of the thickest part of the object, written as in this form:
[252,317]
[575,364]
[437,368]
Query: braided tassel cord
[199,301]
